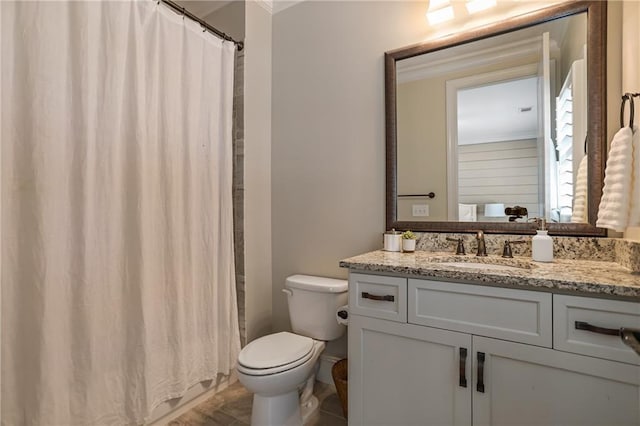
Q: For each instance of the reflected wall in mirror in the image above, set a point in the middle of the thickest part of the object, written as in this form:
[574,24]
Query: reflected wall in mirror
[498,118]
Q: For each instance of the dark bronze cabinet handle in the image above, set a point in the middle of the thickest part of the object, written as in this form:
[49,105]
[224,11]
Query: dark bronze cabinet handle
[480,385]
[385,298]
[463,367]
[581,325]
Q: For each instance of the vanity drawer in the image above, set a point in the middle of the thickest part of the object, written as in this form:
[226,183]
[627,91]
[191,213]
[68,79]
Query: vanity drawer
[602,313]
[516,315]
[378,297]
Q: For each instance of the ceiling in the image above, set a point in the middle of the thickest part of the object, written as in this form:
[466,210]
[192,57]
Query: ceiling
[503,111]
[202,8]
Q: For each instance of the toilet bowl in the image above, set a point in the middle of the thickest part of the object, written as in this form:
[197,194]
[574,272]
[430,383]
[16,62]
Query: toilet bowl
[280,368]
[276,389]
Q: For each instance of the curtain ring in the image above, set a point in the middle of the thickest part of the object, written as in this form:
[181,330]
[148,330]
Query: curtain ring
[183,12]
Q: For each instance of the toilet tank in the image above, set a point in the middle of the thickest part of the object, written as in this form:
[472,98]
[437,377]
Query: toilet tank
[313,302]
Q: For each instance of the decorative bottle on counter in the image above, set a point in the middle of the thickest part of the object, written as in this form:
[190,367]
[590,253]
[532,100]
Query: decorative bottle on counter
[542,244]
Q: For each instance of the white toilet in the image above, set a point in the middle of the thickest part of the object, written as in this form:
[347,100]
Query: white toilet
[280,368]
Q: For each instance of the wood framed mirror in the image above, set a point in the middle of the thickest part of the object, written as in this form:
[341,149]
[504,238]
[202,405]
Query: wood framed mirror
[455,161]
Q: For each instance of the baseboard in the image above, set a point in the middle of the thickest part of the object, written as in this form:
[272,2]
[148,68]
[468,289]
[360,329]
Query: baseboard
[324,372]
[195,396]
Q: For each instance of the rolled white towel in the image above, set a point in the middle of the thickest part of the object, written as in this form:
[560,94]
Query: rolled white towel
[579,213]
[615,203]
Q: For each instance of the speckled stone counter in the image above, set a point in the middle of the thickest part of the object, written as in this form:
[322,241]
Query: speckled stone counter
[619,250]
[579,277]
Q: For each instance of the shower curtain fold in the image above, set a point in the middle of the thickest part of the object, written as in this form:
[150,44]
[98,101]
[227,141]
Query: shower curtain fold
[118,286]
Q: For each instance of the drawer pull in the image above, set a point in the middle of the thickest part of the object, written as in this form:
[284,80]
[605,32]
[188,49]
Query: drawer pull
[385,298]
[581,325]
[631,338]
[463,367]
[480,385]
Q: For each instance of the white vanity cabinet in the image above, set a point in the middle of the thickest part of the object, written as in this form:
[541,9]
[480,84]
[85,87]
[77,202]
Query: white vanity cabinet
[403,374]
[477,355]
[525,384]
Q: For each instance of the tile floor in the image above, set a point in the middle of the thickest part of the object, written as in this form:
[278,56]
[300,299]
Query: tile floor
[232,407]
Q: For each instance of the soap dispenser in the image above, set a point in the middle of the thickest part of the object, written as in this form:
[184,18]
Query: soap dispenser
[542,244]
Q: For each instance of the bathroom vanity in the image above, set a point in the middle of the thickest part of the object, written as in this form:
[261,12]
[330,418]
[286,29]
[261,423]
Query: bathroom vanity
[436,339]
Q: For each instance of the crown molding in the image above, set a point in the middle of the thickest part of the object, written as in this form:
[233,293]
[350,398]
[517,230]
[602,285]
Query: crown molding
[439,63]
[280,5]
[276,6]
[266,5]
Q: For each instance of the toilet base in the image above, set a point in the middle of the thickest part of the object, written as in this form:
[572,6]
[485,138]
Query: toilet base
[309,408]
[308,402]
[280,410]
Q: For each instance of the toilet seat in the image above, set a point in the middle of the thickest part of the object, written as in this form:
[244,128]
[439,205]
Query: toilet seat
[275,353]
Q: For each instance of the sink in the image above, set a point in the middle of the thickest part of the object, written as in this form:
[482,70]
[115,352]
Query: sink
[483,266]
[488,263]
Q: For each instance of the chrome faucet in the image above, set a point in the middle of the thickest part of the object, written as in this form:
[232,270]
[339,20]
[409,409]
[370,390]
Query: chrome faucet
[482,247]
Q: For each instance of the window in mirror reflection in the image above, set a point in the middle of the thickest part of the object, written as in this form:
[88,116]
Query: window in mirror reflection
[496,122]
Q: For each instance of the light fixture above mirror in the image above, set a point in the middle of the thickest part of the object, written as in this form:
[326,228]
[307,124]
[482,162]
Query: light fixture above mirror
[474,6]
[439,11]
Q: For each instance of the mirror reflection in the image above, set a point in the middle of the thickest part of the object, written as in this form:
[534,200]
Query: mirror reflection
[493,125]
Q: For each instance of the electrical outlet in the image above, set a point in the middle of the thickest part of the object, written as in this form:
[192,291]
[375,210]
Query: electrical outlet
[421,210]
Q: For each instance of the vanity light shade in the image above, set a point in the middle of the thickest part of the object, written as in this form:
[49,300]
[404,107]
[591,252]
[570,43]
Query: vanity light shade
[474,6]
[494,210]
[439,11]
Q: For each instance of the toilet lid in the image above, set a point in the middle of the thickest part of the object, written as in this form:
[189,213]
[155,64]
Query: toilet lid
[275,350]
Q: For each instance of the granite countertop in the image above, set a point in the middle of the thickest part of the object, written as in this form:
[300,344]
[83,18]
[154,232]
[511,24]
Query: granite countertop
[583,277]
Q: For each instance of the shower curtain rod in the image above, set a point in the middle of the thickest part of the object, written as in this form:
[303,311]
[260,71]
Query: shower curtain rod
[184,12]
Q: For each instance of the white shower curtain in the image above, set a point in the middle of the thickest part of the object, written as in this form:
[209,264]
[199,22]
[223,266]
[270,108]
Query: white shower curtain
[117,255]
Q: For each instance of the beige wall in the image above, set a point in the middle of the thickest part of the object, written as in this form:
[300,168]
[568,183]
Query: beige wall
[614,72]
[327,159]
[422,153]
[328,133]
[630,77]
[257,166]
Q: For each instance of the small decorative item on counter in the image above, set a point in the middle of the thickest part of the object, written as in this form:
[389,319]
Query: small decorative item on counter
[542,243]
[392,240]
[408,242]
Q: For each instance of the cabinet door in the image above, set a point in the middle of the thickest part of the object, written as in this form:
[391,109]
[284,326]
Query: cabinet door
[529,385]
[402,374]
